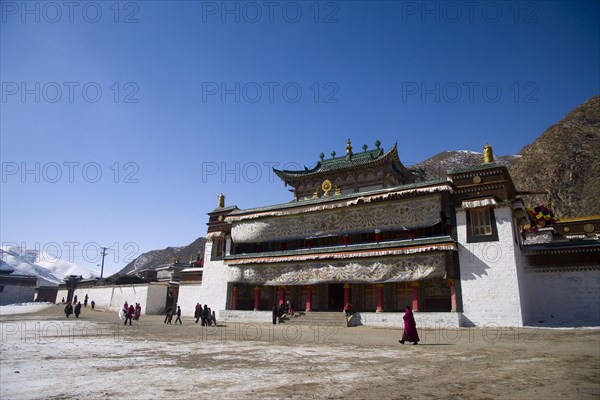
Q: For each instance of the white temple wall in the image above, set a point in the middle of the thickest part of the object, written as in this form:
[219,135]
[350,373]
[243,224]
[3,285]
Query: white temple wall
[61,294]
[152,297]
[490,271]
[213,290]
[189,296]
[156,300]
[101,295]
[561,298]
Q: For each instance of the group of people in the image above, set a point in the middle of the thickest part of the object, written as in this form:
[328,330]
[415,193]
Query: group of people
[130,313]
[169,315]
[69,309]
[283,309]
[85,301]
[205,315]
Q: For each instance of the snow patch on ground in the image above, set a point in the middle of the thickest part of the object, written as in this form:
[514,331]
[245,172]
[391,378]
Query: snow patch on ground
[23,308]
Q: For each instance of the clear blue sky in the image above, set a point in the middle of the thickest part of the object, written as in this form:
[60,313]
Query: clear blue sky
[176,102]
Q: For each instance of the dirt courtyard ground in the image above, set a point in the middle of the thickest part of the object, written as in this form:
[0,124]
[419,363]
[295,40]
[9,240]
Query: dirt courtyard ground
[44,355]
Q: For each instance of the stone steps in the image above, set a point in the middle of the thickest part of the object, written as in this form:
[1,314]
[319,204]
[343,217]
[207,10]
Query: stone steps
[337,318]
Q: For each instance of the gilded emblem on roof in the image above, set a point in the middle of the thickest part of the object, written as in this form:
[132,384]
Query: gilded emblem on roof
[326,186]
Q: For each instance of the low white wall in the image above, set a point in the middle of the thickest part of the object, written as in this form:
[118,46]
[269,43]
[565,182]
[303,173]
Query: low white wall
[13,294]
[423,319]
[156,299]
[152,297]
[61,294]
[101,295]
[189,296]
[245,316]
[385,320]
[128,293]
[559,298]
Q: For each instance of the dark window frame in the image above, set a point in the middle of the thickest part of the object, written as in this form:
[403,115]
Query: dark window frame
[471,237]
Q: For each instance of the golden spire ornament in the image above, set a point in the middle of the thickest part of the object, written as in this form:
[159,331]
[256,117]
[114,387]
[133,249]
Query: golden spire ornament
[488,155]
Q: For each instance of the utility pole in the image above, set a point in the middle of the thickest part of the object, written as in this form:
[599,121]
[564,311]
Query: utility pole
[102,268]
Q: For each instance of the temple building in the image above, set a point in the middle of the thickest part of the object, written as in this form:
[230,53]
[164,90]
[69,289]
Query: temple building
[362,229]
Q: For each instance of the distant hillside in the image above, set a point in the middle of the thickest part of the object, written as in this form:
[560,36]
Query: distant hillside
[565,161]
[155,258]
[438,166]
[562,161]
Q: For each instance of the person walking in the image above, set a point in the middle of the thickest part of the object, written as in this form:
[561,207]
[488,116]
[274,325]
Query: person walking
[77,309]
[138,311]
[410,328]
[169,316]
[178,315]
[204,315]
[274,311]
[348,309]
[68,310]
[197,312]
[129,314]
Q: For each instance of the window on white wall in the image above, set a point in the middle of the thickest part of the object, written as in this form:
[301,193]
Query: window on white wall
[218,248]
[481,224]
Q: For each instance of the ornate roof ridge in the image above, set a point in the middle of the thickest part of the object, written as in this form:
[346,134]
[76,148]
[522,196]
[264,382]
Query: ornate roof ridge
[341,162]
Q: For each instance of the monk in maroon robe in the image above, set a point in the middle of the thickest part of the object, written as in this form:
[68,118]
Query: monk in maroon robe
[410,328]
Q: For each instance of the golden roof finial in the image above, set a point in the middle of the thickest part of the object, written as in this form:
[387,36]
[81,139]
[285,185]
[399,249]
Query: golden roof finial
[348,147]
[488,155]
[221,201]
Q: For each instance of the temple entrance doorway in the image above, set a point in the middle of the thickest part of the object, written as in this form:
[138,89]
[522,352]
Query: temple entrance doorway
[335,297]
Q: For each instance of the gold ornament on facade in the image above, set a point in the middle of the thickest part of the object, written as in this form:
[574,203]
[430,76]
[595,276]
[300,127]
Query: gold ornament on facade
[588,228]
[477,179]
[326,186]
[338,191]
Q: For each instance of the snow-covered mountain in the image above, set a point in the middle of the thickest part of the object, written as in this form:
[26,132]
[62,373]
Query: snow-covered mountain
[49,269]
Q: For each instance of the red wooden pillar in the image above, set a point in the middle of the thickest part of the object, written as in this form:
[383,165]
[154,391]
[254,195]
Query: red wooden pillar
[346,293]
[415,296]
[234,298]
[308,298]
[281,294]
[256,298]
[379,288]
[452,284]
